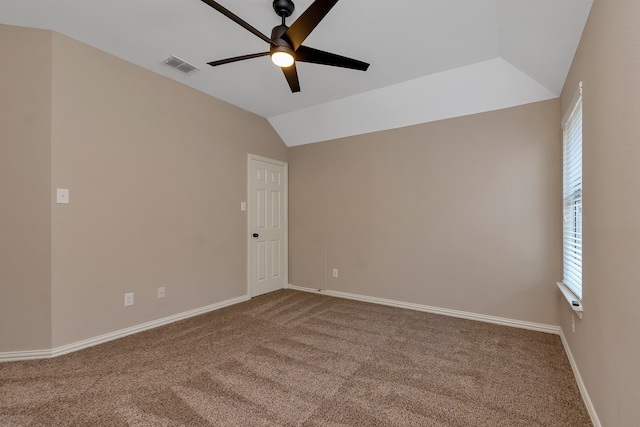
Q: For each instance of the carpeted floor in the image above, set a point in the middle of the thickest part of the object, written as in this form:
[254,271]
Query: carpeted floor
[299,359]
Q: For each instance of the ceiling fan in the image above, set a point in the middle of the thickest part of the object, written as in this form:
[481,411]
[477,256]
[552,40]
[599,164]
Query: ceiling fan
[286,41]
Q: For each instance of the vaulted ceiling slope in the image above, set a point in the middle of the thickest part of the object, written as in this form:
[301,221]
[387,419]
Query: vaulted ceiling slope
[430,59]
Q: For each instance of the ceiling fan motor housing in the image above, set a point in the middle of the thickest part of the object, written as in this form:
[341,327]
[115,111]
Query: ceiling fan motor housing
[283,7]
[278,33]
[280,42]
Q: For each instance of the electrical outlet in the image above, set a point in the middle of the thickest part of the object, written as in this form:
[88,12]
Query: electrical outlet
[573,323]
[161,293]
[335,272]
[128,299]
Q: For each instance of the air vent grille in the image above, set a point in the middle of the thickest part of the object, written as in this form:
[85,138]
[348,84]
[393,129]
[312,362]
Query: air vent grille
[180,64]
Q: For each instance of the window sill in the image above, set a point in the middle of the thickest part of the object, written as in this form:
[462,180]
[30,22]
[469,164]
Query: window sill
[574,301]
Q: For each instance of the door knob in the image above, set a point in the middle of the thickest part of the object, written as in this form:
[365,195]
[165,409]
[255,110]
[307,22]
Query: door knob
[256,235]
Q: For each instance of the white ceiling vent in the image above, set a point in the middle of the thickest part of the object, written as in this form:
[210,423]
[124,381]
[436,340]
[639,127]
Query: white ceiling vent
[180,64]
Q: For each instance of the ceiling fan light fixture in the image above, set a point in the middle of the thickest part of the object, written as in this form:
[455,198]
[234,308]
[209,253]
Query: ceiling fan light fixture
[282,56]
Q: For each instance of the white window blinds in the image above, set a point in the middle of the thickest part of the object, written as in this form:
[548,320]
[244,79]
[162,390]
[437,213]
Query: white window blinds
[572,195]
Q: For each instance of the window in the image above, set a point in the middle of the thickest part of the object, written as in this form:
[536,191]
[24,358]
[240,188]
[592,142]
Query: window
[572,195]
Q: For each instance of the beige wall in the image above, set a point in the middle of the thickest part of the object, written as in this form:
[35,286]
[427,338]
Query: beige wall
[156,173]
[460,214]
[25,168]
[606,345]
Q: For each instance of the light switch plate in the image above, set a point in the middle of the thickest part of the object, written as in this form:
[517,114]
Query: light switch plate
[128,299]
[62,195]
[243,206]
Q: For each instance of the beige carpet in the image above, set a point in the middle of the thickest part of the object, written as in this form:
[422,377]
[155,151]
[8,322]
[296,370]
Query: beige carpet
[299,359]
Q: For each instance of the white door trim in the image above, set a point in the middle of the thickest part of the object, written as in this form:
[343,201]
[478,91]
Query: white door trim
[250,207]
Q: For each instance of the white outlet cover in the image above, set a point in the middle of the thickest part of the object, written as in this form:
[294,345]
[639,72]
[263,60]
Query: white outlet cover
[243,206]
[62,195]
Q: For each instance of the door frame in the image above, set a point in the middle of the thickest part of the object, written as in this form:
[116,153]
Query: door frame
[250,207]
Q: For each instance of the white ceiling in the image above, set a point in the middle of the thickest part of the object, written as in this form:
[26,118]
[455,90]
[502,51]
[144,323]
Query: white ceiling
[430,59]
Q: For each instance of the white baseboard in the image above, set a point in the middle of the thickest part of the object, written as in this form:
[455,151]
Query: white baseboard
[540,327]
[12,356]
[583,389]
[90,342]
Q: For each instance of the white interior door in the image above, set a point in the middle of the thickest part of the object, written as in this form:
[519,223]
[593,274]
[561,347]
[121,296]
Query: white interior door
[267,212]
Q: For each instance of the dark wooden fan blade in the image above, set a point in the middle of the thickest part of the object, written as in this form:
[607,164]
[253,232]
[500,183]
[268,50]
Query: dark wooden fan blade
[310,18]
[292,78]
[309,54]
[226,12]
[237,58]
